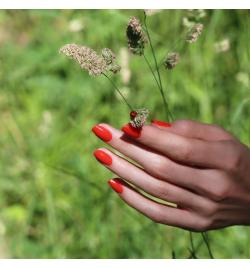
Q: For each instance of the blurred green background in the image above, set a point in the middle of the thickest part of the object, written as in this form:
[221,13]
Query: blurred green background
[54,199]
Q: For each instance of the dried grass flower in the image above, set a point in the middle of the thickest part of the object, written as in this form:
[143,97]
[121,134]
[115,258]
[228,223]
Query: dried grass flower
[136,36]
[196,14]
[193,16]
[86,57]
[139,117]
[171,60]
[108,55]
[194,33]
[110,59]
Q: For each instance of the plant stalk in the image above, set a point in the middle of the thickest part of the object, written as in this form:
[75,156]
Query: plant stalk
[168,113]
[118,90]
[193,254]
[205,238]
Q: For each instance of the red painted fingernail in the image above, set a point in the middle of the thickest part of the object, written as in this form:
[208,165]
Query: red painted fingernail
[160,123]
[103,157]
[131,131]
[102,133]
[116,185]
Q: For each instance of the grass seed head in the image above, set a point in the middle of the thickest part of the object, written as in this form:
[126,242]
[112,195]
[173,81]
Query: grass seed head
[114,68]
[171,60]
[86,57]
[139,117]
[110,59]
[194,33]
[136,37]
[108,55]
[196,15]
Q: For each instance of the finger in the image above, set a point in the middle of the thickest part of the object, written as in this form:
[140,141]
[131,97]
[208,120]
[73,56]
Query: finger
[203,182]
[193,129]
[157,212]
[154,163]
[195,152]
[157,188]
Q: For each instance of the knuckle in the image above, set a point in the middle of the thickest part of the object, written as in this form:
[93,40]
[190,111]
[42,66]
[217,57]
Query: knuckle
[220,192]
[223,133]
[234,162]
[218,128]
[187,151]
[157,216]
[156,219]
[183,125]
[164,191]
[203,225]
[211,209]
[160,167]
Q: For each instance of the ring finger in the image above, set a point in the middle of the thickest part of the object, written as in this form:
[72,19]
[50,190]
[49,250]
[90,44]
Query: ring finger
[153,162]
[153,186]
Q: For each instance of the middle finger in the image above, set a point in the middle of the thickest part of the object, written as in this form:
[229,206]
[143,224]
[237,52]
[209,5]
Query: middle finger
[154,163]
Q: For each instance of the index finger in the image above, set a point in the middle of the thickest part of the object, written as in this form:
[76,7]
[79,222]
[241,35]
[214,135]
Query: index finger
[191,151]
[194,129]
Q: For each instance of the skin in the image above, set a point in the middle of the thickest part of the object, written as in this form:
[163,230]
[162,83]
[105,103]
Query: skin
[201,168]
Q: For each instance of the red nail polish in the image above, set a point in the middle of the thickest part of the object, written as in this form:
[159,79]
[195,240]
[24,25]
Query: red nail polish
[116,185]
[103,157]
[160,123]
[102,133]
[131,131]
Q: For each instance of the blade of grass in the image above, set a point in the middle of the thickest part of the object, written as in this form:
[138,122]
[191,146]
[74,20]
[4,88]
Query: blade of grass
[205,239]
[118,90]
[168,113]
[192,250]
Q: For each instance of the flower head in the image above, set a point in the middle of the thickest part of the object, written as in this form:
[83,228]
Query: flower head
[86,57]
[136,36]
[139,117]
[171,60]
[110,59]
[108,55]
[194,33]
[193,16]
[196,15]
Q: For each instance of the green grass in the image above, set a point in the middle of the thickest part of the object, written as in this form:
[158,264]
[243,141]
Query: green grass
[54,199]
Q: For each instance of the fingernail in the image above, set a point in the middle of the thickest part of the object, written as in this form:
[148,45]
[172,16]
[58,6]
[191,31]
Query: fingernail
[103,157]
[102,133]
[116,185]
[131,131]
[160,123]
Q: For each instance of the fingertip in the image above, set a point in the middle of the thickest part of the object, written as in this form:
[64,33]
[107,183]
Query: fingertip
[160,123]
[116,184]
[131,131]
[102,132]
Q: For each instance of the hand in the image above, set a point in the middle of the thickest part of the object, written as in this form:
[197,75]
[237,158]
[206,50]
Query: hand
[201,169]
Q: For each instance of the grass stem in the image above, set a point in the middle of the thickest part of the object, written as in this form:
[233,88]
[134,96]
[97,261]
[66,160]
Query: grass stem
[168,113]
[192,251]
[118,90]
[205,238]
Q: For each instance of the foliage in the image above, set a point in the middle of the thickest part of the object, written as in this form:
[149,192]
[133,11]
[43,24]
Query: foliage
[54,199]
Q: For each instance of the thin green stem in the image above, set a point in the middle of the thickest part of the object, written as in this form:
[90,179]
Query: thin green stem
[193,254]
[205,238]
[168,113]
[173,254]
[118,90]
[152,71]
[200,243]
[159,86]
[176,43]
